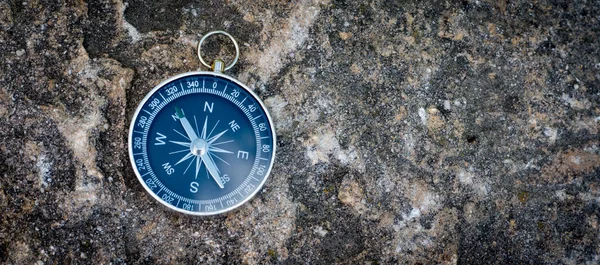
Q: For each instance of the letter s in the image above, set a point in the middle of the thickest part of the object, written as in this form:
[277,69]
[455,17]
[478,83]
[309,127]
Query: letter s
[194,187]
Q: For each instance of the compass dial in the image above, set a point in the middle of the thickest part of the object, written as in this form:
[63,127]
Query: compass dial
[202,143]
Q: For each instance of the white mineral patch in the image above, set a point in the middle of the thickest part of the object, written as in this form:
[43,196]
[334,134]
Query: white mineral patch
[133,33]
[552,133]
[43,170]
[320,231]
[423,115]
[468,177]
[276,106]
[574,103]
[291,35]
[447,105]
[576,160]
[465,177]
[322,145]
[319,147]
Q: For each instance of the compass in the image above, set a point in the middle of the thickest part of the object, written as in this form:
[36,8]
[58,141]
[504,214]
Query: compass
[202,143]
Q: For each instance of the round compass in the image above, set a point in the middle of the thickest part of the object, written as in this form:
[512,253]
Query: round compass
[202,143]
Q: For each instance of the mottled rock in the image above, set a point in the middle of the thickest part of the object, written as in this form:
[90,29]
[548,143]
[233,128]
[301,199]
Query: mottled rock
[409,132]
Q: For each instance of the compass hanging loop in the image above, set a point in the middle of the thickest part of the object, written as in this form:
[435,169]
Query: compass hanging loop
[218,65]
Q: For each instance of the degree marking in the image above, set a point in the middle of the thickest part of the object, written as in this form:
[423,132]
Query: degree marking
[163,97]
[137,132]
[265,137]
[257,117]
[225,88]
[138,154]
[254,178]
[147,111]
[262,158]
[243,100]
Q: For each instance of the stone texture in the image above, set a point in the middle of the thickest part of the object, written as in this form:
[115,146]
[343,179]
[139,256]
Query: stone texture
[409,132]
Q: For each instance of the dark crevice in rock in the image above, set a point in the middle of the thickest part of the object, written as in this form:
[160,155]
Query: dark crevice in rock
[160,15]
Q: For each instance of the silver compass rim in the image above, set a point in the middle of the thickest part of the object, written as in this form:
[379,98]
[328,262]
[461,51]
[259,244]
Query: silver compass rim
[149,95]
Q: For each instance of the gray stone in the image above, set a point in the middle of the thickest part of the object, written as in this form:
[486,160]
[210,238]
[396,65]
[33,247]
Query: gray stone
[411,132]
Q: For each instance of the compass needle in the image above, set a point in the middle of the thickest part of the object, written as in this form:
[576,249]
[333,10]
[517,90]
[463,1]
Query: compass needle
[213,162]
[212,169]
[202,143]
[198,164]
[191,135]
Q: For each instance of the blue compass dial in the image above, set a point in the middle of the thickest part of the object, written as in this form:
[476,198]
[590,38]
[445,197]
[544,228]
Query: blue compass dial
[202,143]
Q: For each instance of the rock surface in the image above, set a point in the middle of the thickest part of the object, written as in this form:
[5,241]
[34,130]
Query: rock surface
[410,132]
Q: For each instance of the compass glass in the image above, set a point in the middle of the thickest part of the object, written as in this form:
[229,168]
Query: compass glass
[202,143]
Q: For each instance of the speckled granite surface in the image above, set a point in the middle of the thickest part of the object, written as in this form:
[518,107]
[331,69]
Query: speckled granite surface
[409,132]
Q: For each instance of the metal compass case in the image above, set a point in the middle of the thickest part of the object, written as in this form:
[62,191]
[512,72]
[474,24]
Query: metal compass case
[202,143]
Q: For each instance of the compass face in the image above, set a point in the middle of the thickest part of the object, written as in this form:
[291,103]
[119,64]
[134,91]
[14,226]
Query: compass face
[202,143]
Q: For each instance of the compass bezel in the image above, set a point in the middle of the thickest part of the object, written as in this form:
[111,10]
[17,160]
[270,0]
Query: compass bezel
[206,74]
